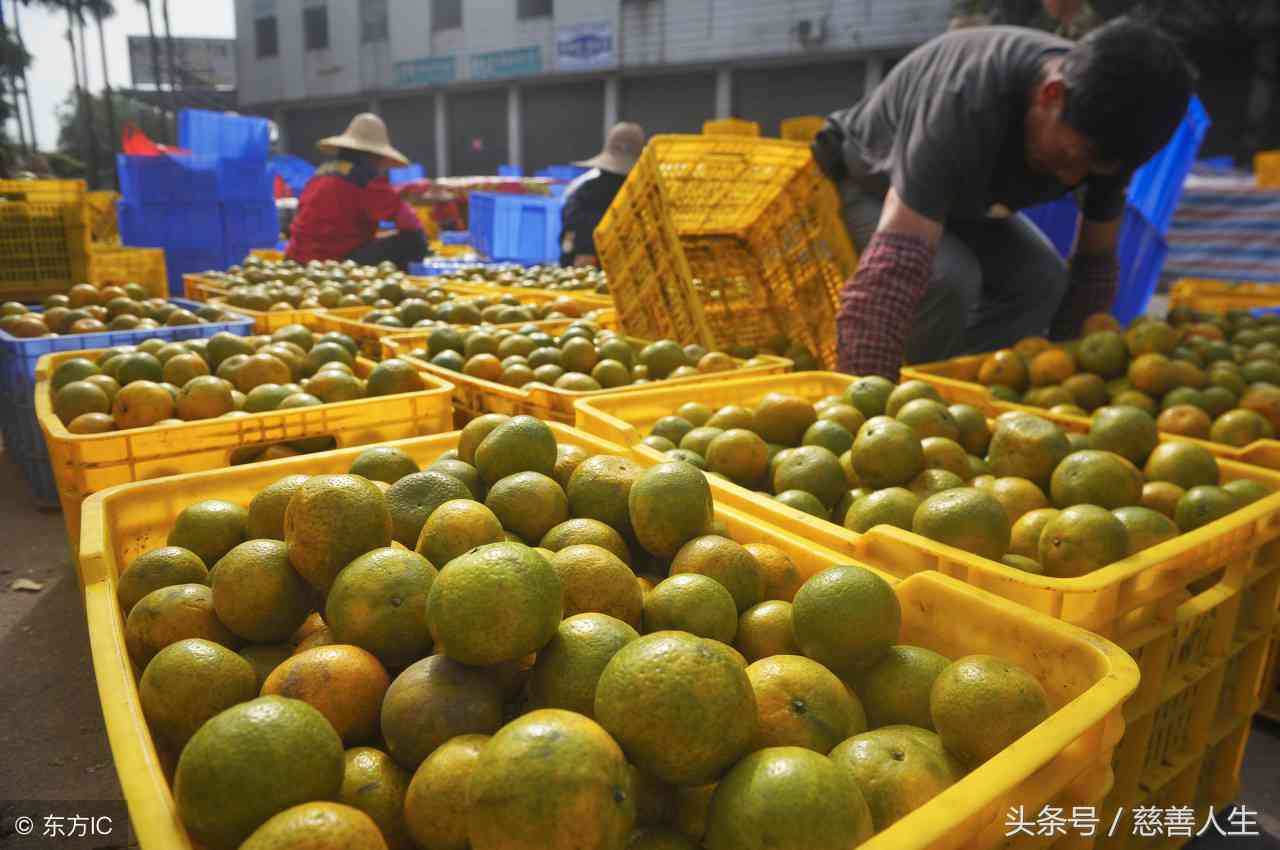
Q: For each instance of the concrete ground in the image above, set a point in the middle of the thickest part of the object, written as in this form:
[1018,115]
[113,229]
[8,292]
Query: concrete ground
[53,744]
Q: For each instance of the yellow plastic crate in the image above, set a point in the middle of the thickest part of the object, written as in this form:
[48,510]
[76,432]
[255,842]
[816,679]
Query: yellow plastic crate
[1266,169]
[349,320]
[270,255]
[1219,296]
[44,247]
[426,215]
[439,249]
[724,241]
[197,287]
[43,191]
[585,297]
[83,464]
[957,381]
[801,128]
[130,265]
[476,396]
[1189,748]
[1271,689]
[268,321]
[730,127]
[1150,603]
[104,229]
[1063,761]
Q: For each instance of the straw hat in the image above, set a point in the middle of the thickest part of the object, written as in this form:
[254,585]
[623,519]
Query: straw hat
[367,133]
[621,149]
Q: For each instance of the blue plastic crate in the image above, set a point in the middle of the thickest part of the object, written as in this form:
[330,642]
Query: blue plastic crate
[21,428]
[1057,220]
[168,179]
[184,261]
[525,228]
[244,180]
[1157,185]
[562,172]
[38,474]
[190,226]
[1142,253]
[223,135]
[247,226]
[294,170]
[510,171]
[407,174]
[455,237]
[18,357]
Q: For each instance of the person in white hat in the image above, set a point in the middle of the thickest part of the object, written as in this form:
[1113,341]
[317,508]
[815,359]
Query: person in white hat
[342,204]
[588,196]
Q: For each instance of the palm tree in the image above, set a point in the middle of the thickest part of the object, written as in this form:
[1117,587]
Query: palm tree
[105,9]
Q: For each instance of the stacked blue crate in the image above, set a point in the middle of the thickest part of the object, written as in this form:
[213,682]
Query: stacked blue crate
[207,210]
[524,228]
[407,174]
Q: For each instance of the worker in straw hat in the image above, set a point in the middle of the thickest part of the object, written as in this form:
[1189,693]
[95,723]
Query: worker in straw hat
[587,197]
[343,202]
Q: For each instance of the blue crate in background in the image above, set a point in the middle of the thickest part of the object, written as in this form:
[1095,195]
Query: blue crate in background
[247,226]
[510,171]
[407,174]
[1141,255]
[220,134]
[562,172]
[524,228]
[38,474]
[184,261]
[455,237]
[18,356]
[294,170]
[1157,185]
[192,226]
[436,267]
[167,179]
[243,180]
[1056,220]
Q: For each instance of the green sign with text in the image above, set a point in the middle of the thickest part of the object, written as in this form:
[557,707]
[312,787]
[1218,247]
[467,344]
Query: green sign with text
[500,64]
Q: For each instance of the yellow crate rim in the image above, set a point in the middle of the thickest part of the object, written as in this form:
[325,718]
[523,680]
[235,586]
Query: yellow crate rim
[1077,737]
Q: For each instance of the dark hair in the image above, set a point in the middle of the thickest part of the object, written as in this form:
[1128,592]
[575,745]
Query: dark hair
[357,157]
[1128,87]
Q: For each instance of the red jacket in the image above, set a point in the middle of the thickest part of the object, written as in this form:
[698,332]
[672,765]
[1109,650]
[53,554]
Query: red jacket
[340,209]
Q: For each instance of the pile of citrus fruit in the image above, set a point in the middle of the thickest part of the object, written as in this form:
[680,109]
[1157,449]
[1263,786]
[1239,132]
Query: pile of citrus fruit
[1019,490]
[1209,377]
[158,382]
[86,309]
[526,645]
[581,357]
[516,276]
[429,307]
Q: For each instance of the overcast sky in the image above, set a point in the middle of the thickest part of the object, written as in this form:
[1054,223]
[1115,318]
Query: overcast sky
[50,74]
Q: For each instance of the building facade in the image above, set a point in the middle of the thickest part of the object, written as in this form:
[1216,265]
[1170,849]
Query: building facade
[467,85]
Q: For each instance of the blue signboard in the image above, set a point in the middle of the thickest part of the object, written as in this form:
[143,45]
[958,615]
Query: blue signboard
[585,47]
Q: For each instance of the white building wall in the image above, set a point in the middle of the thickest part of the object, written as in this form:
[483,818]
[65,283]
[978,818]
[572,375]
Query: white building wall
[646,33]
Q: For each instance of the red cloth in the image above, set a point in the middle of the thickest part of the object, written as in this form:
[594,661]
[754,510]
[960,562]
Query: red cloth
[337,214]
[1094,278]
[878,304]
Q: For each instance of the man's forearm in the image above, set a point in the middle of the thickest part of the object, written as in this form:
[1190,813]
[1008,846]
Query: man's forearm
[1092,289]
[878,304]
